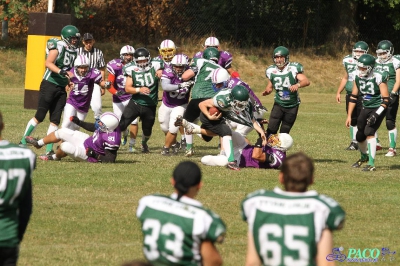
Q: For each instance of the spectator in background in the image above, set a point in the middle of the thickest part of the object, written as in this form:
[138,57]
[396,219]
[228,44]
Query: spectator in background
[16,169]
[96,59]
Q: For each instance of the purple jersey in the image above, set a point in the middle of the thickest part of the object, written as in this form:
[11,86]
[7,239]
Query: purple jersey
[237,81]
[101,141]
[115,67]
[246,159]
[81,94]
[178,97]
[225,58]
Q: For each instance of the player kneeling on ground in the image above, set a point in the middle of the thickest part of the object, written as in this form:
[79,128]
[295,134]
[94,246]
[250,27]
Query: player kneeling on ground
[101,147]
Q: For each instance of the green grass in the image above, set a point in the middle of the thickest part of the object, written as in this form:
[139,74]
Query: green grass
[84,214]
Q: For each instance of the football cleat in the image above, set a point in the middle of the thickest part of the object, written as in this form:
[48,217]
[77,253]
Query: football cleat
[359,163]
[175,148]
[48,158]
[391,152]
[233,166]
[352,147]
[145,148]
[189,152]
[378,146]
[369,168]
[165,151]
[124,140]
[131,149]
[183,144]
[33,142]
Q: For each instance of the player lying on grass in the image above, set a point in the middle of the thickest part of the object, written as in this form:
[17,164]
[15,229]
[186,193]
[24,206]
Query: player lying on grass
[102,146]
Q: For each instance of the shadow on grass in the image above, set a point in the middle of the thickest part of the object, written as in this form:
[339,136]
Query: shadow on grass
[329,161]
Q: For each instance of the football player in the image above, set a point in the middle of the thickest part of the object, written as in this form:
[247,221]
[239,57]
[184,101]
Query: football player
[371,85]
[83,78]
[116,82]
[386,61]
[286,78]
[60,55]
[266,156]
[193,228]
[291,226]
[200,69]
[142,83]
[174,100]
[225,59]
[102,146]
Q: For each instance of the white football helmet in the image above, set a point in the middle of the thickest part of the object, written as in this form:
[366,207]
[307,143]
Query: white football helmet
[126,50]
[167,50]
[178,63]
[81,65]
[220,78]
[280,141]
[211,42]
[108,122]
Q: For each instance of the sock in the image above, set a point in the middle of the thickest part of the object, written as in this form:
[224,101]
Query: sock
[51,129]
[376,136]
[392,138]
[132,142]
[228,147]
[40,142]
[353,133]
[30,127]
[363,149]
[182,137]
[372,151]
[189,141]
[145,139]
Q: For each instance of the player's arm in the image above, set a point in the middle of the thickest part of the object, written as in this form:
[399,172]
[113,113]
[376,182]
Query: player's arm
[268,88]
[188,74]
[129,88]
[51,58]
[209,254]
[302,81]
[85,125]
[103,76]
[352,104]
[324,247]
[341,86]
[252,258]
[395,90]
[207,104]
[258,154]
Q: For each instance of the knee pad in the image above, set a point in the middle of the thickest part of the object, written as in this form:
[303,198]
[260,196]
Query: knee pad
[147,131]
[390,124]
[360,136]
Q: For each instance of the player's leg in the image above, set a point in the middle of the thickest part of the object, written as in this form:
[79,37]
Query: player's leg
[133,132]
[69,111]
[353,124]
[76,152]
[148,117]
[288,119]
[192,112]
[95,103]
[275,119]
[391,115]
[172,129]
[130,113]
[218,160]
[362,138]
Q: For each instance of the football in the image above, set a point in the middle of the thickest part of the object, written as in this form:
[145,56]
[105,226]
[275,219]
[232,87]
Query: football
[214,110]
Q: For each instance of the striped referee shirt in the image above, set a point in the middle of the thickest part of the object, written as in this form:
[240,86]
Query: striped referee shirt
[96,57]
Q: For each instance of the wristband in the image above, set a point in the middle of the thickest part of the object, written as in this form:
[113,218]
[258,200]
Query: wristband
[298,85]
[380,110]
[137,90]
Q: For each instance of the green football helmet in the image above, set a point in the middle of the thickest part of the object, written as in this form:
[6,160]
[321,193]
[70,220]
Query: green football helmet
[281,51]
[240,97]
[211,53]
[386,49]
[360,46]
[365,61]
[69,32]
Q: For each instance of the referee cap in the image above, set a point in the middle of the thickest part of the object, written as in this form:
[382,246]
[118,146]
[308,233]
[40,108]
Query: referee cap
[87,36]
[186,174]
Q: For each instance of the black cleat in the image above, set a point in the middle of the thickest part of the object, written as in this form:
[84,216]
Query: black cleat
[369,168]
[359,163]
[145,148]
[352,147]
[32,141]
[233,166]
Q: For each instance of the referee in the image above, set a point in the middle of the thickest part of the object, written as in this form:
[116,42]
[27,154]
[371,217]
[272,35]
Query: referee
[96,59]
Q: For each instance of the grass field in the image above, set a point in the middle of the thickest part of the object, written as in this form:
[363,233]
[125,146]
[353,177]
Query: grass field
[84,214]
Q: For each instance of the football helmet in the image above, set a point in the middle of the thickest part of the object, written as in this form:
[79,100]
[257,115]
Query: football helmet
[179,63]
[126,50]
[358,47]
[81,65]
[280,141]
[386,49]
[142,54]
[167,50]
[280,51]
[108,122]
[211,53]
[365,61]
[69,32]
[219,79]
[211,42]
[240,97]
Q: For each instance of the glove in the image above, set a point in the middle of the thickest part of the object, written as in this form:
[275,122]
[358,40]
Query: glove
[371,120]
[91,153]
[258,143]
[63,73]
[393,98]
[185,84]
[119,93]
[107,84]
[75,120]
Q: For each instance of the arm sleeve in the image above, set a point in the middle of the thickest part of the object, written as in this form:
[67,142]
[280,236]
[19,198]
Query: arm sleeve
[87,126]
[167,86]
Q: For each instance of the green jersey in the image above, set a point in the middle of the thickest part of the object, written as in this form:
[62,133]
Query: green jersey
[173,230]
[65,60]
[368,87]
[202,87]
[390,66]
[282,80]
[16,167]
[350,65]
[287,226]
[145,77]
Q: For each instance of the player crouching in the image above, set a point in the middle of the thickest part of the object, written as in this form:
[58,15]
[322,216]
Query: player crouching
[102,146]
